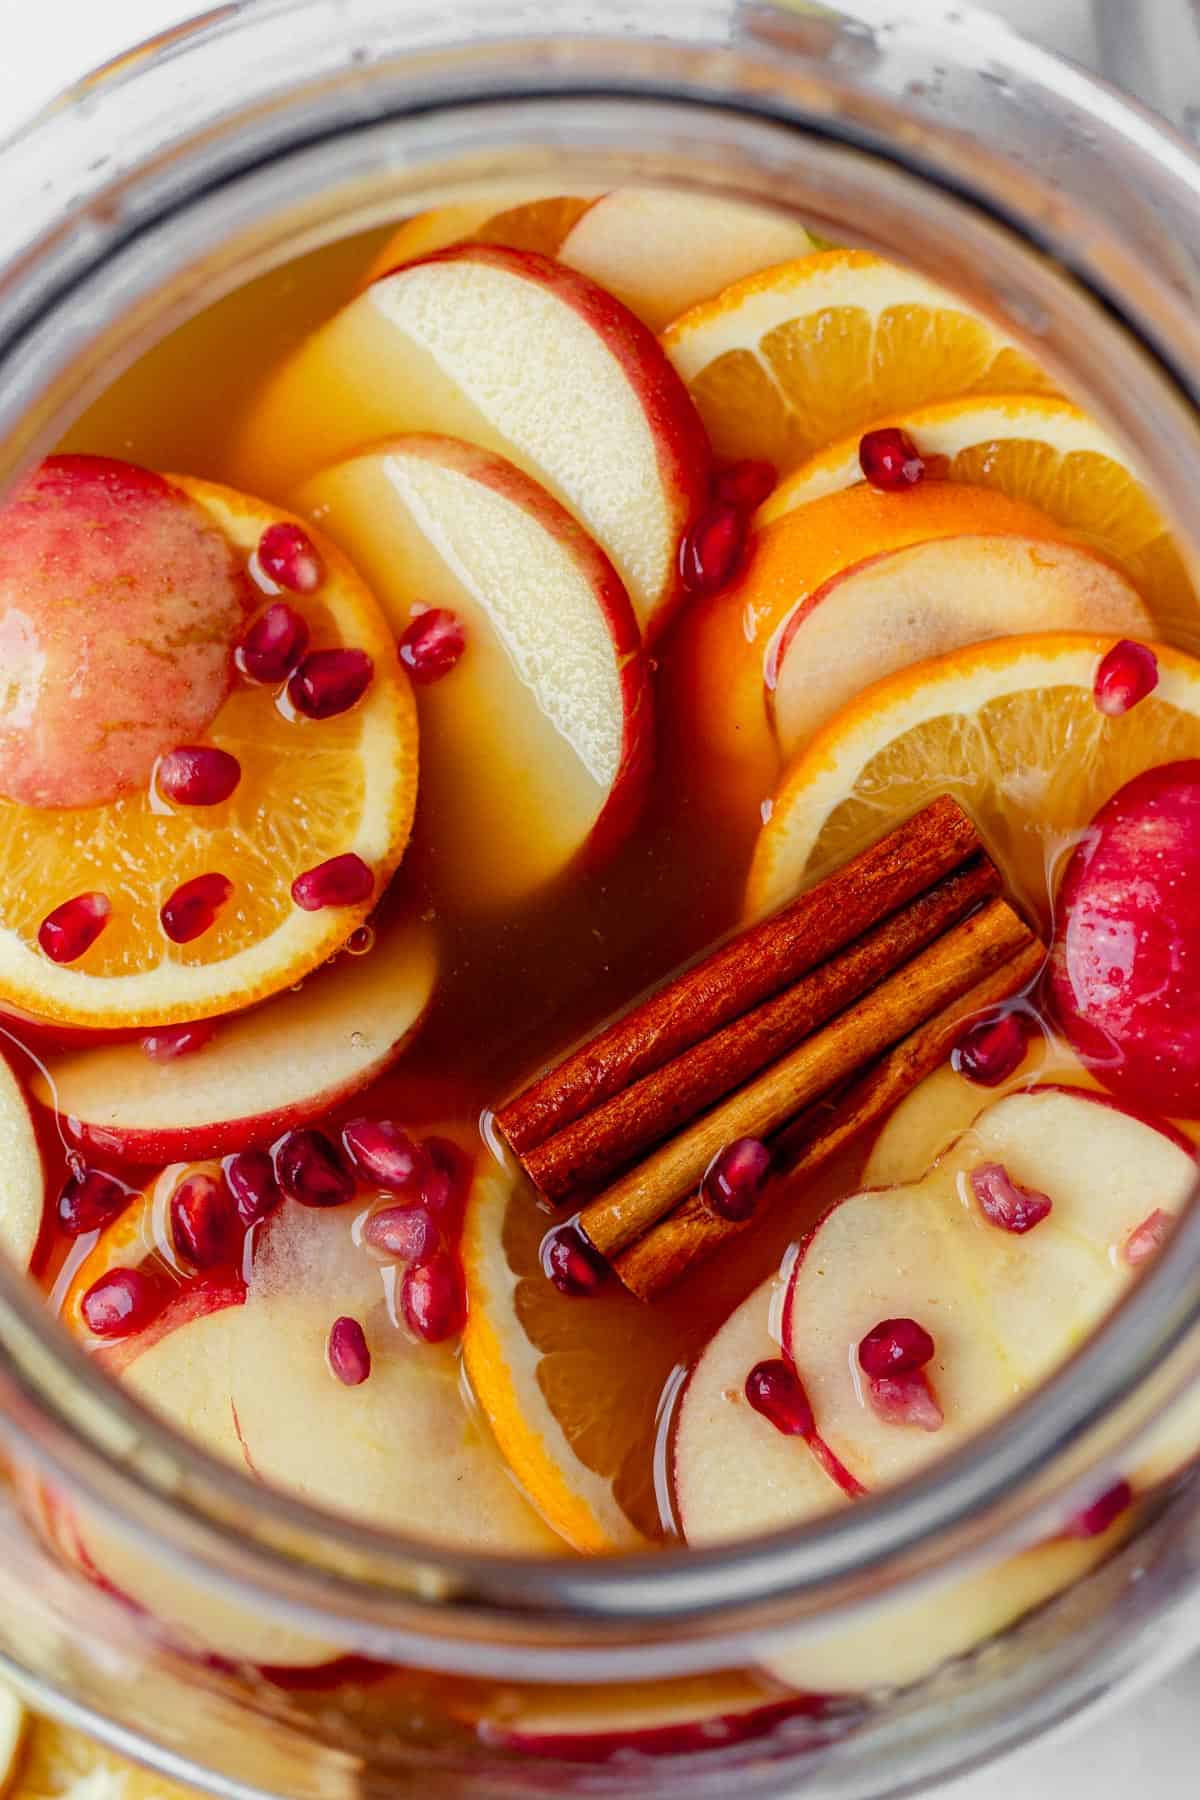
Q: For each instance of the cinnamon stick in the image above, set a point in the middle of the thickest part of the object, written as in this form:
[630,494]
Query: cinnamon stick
[744,971]
[613,1135]
[691,1233]
[919,989]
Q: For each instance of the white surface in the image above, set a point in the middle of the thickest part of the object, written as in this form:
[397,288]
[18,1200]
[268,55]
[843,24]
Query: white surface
[1148,1747]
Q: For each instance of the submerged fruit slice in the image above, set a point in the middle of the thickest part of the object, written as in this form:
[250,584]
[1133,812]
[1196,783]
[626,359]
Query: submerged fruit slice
[792,358]
[1009,728]
[517,216]
[519,355]
[535,743]
[22,1182]
[1042,450]
[270,1068]
[309,789]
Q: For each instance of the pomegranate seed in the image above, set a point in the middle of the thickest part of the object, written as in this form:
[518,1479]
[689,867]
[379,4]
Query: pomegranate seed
[89,1200]
[197,775]
[433,1299]
[773,1389]
[273,645]
[74,927]
[382,1152]
[347,1353]
[201,1215]
[1102,1513]
[1148,1238]
[991,1049]
[432,644]
[734,1178]
[402,1234]
[192,909]
[309,1169]
[709,553]
[170,1041]
[1126,675]
[571,1263]
[123,1301]
[288,556]
[905,1400]
[1004,1203]
[344,880]
[250,1175]
[895,1347]
[890,460]
[745,484]
[446,1183]
[329,682]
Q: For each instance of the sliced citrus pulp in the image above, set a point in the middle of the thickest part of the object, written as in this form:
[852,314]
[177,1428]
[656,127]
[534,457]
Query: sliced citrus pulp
[788,360]
[1010,728]
[309,790]
[1041,450]
[517,219]
[534,1374]
[58,1762]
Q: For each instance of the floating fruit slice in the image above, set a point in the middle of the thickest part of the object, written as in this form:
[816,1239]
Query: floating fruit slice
[148,909]
[519,355]
[536,742]
[22,1182]
[789,360]
[534,1373]
[1010,729]
[267,1069]
[515,217]
[1042,450]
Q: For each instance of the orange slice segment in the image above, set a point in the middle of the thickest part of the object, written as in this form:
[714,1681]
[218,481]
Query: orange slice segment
[1041,450]
[790,359]
[309,790]
[512,216]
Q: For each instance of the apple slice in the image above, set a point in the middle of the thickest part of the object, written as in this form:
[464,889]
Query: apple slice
[264,1071]
[894,610]
[661,250]
[22,1181]
[522,356]
[535,746]
[521,216]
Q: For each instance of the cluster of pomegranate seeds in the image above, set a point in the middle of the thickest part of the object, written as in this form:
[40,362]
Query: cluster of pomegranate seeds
[1103,1512]
[192,909]
[710,552]
[433,1298]
[310,1170]
[344,880]
[991,1049]
[89,1200]
[1148,1238]
[273,645]
[895,1347]
[773,1389]
[571,1263]
[1004,1202]
[382,1152]
[122,1302]
[202,1221]
[890,460]
[399,1233]
[329,682]
[1124,676]
[73,927]
[735,1177]
[167,1042]
[197,775]
[250,1175]
[347,1353]
[288,557]
[432,645]
[744,484]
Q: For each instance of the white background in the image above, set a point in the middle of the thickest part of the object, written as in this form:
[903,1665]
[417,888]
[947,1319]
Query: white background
[1150,1746]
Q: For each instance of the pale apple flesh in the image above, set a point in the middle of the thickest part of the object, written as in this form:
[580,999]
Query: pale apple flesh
[902,608]
[535,746]
[22,1182]
[263,1072]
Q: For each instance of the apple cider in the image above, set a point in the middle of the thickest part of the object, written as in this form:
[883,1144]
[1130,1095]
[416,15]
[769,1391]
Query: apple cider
[605,923]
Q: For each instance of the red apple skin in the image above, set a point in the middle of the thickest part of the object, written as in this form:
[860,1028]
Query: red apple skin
[1125,968]
[194,1300]
[684,452]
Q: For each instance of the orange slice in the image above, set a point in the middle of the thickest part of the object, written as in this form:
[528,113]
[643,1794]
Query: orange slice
[1037,449]
[515,217]
[309,790]
[134,1237]
[1009,728]
[59,1762]
[791,359]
